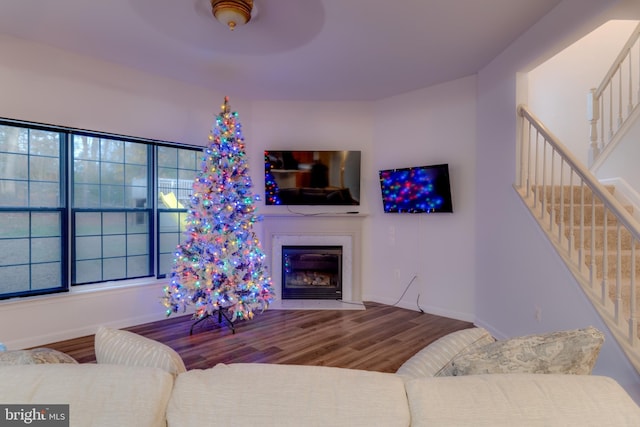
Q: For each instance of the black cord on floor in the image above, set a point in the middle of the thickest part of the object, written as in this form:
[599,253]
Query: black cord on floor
[418,304]
[405,290]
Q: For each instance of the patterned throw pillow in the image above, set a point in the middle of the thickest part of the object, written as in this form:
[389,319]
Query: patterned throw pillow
[435,359]
[120,347]
[34,357]
[565,352]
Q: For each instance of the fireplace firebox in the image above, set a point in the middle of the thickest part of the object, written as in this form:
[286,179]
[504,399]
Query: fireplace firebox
[311,272]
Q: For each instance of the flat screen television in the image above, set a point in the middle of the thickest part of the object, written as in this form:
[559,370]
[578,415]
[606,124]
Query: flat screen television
[312,177]
[419,189]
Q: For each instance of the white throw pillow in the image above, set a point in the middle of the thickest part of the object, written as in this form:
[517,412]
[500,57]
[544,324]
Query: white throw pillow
[564,352]
[115,346]
[434,359]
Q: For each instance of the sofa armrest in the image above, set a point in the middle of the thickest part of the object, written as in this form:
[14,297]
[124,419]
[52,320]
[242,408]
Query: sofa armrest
[436,358]
[118,347]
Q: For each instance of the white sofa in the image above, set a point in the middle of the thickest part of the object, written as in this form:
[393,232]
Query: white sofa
[123,389]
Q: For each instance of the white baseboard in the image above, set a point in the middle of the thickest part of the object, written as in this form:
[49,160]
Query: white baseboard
[412,305]
[37,321]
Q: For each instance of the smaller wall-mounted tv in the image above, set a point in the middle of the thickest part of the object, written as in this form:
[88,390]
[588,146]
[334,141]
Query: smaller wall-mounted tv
[312,177]
[419,189]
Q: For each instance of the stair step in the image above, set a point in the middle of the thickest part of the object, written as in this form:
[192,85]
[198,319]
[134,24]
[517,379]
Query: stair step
[565,192]
[612,237]
[588,214]
[625,295]
[612,260]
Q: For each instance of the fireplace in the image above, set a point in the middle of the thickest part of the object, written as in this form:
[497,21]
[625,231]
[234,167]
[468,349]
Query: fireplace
[311,272]
[303,237]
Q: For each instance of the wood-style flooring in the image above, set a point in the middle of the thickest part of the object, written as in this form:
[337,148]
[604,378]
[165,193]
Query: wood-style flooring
[380,338]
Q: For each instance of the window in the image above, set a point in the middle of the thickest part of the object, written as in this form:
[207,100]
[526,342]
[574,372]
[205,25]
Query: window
[176,170]
[32,211]
[82,207]
[111,219]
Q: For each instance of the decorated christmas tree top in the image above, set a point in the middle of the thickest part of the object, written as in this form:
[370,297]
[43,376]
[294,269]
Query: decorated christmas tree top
[220,266]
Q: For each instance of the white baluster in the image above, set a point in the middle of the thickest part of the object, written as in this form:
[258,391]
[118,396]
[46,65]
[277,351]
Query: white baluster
[572,240]
[601,142]
[529,154]
[618,302]
[633,320]
[605,252]
[561,218]
[620,96]
[552,182]
[593,115]
[581,258]
[543,204]
[630,101]
[638,90]
[535,179]
[610,112]
[592,270]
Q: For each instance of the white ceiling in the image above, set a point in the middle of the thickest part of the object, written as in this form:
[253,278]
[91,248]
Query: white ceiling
[312,50]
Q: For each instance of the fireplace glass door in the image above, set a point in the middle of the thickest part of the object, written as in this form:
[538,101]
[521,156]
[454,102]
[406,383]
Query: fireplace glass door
[311,272]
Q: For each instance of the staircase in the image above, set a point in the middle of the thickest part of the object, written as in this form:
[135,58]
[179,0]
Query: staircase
[600,241]
[597,237]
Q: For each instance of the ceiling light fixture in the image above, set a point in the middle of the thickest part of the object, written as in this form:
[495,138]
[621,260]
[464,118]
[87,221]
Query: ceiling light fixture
[232,13]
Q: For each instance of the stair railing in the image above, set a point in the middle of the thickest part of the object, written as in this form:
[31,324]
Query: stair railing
[613,102]
[566,199]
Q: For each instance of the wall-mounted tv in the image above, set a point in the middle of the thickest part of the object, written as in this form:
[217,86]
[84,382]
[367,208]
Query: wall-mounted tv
[312,177]
[419,189]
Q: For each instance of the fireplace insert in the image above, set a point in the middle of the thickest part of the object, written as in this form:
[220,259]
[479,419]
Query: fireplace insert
[311,272]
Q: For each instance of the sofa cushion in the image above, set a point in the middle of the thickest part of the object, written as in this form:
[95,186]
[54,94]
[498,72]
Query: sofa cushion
[115,346]
[564,352]
[97,395]
[520,400]
[435,358]
[288,395]
[34,356]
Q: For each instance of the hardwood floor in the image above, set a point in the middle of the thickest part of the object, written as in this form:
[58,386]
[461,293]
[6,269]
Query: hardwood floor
[379,338]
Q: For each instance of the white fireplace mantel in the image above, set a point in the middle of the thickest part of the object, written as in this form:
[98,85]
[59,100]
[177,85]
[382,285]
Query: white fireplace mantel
[308,230]
[345,241]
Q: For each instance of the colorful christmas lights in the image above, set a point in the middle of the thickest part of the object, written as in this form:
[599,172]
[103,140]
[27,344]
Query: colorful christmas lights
[220,266]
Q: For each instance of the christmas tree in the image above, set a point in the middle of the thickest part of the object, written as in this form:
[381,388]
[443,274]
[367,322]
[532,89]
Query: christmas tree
[220,266]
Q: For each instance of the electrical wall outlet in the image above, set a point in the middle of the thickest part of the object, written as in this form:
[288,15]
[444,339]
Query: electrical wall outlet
[392,235]
[538,313]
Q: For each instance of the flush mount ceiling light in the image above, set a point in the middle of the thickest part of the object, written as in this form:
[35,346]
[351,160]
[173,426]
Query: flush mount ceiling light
[232,13]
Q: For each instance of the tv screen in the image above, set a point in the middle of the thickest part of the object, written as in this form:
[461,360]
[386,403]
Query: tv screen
[305,177]
[420,189]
